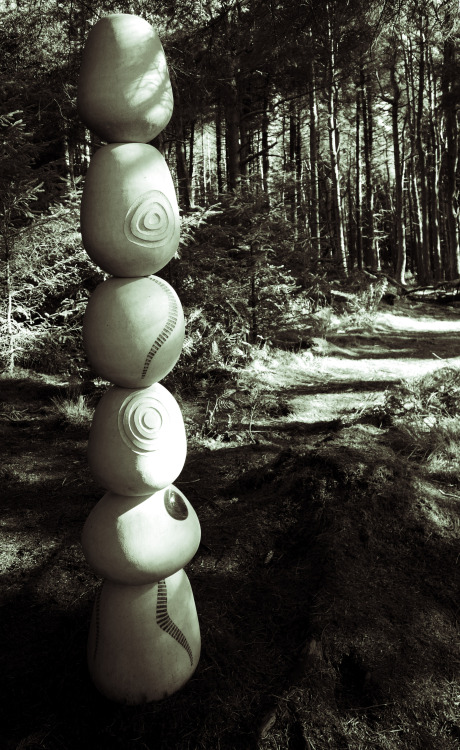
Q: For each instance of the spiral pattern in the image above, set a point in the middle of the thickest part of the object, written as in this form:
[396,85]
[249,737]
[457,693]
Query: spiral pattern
[143,421]
[150,222]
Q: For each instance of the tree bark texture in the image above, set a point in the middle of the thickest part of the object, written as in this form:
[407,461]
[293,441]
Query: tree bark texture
[338,238]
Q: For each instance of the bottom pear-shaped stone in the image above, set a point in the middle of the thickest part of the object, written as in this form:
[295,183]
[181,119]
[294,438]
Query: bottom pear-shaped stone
[144,641]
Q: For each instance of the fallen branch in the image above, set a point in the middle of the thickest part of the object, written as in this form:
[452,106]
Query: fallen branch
[382,274]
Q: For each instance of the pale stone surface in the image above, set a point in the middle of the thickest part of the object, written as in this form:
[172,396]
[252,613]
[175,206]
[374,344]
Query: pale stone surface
[139,540]
[144,641]
[133,330]
[124,91]
[137,442]
[129,215]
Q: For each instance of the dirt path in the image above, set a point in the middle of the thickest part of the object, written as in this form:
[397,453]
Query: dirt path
[354,369]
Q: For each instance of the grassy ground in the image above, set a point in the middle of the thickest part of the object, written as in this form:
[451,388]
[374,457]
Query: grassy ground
[327,580]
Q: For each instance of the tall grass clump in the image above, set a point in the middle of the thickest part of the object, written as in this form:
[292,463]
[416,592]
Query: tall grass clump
[73,411]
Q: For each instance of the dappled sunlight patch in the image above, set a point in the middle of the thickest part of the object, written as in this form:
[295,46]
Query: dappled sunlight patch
[277,369]
[384,369]
[322,407]
[423,324]
[439,506]
[288,370]
[19,548]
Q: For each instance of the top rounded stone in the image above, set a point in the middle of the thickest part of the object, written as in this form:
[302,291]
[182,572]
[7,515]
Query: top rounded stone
[124,91]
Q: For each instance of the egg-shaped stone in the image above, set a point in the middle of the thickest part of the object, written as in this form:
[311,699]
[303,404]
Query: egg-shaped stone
[144,641]
[124,92]
[137,442]
[133,330]
[138,540]
[129,214]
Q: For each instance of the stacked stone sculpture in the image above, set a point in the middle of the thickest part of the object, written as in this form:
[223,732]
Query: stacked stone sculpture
[144,639]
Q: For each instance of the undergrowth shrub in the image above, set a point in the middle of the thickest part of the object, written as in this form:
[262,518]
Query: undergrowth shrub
[434,395]
[231,412]
[423,415]
[52,278]
[210,345]
[238,280]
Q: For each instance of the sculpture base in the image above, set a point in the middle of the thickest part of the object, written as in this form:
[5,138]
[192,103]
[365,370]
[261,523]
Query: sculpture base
[144,641]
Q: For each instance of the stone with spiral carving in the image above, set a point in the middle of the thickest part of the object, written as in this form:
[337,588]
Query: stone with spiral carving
[137,442]
[130,221]
[143,422]
[150,221]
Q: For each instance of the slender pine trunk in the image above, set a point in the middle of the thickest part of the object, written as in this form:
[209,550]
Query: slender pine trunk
[371,253]
[358,191]
[338,238]
[421,163]
[265,155]
[415,215]
[433,174]
[9,303]
[232,140]
[218,125]
[451,156]
[314,192]
[400,231]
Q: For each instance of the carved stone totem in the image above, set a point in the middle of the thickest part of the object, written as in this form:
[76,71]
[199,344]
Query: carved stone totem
[144,641]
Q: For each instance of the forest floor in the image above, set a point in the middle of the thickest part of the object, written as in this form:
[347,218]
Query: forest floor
[327,580]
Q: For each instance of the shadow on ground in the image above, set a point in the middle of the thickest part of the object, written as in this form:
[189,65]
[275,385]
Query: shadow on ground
[323,595]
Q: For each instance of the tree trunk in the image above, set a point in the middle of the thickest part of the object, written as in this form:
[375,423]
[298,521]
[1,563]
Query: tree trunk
[400,231]
[371,254]
[314,193]
[69,161]
[220,181]
[191,160]
[433,175]
[352,242]
[9,304]
[449,106]
[244,108]
[422,164]
[183,176]
[253,255]
[204,171]
[338,238]
[291,164]
[265,155]
[358,192]
[191,151]
[232,140]
[415,215]
[298,176]
[183,179]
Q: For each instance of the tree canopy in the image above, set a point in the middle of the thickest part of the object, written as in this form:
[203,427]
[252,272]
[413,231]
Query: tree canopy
[344,115]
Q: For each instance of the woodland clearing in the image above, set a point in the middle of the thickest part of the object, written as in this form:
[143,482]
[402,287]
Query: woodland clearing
[327,486]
